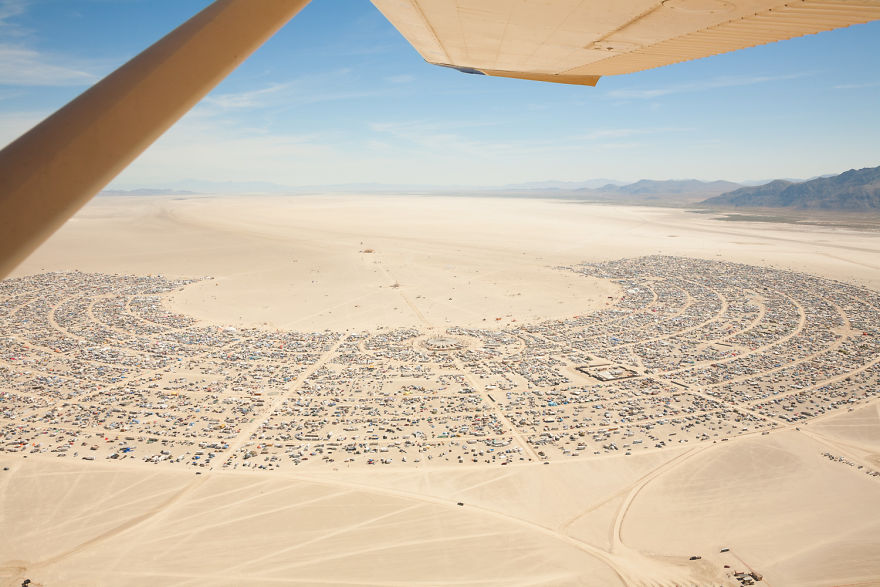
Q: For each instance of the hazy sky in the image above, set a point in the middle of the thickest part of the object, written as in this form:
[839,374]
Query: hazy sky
[338,96]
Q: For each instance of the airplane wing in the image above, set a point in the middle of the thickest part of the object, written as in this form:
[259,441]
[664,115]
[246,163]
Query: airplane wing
[578,41]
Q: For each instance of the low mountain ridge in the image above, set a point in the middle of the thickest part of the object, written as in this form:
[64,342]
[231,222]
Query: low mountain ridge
[853,190]
[670,186]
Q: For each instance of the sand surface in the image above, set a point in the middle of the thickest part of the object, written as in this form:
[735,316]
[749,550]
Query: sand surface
[771,498]
[298,262]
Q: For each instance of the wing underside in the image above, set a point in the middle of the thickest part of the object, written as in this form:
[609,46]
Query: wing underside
[578,41]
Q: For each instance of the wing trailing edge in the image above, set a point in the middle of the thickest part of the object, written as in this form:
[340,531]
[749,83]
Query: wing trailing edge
[577,41]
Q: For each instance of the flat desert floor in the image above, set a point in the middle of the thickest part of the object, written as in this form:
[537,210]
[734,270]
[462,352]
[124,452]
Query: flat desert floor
[392,390]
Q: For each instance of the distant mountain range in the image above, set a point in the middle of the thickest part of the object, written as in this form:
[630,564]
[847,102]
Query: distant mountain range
[148,192]
[670,192]
[604,190]
[853,190]
[204,187]
[671,186]
[563,185]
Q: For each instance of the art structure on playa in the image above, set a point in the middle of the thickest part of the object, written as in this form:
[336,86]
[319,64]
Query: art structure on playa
[52,171]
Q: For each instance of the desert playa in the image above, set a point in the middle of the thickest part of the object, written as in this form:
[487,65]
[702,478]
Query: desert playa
[366,390]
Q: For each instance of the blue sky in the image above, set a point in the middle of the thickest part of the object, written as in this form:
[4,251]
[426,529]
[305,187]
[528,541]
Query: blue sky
[338,96]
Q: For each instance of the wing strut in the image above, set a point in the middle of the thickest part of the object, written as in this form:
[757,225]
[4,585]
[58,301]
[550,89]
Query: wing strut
[50,172]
